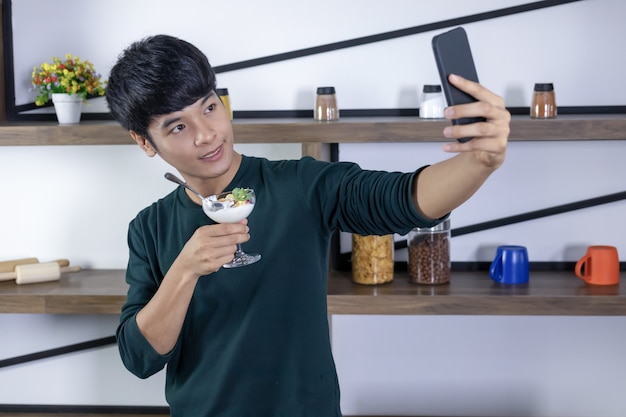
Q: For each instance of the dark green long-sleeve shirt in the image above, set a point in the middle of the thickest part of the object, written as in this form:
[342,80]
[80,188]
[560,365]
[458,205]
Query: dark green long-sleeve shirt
[255,341]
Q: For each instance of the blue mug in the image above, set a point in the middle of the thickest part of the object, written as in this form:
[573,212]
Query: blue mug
[510,266]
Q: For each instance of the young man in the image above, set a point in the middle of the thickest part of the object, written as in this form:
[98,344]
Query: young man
[253,341]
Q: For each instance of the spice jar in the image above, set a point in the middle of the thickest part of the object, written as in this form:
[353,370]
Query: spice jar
[372,259]
[432,103]
[223,95]
[544,102]
[429,254]
[326,104]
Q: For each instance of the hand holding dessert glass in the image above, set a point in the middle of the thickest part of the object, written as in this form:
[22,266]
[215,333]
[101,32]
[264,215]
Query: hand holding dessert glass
[227,207]
[232,207]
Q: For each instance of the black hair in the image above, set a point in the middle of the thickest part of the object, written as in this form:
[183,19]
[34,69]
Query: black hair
[155,76]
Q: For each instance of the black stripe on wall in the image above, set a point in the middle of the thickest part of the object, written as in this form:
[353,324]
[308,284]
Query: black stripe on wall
[118,410]
[443,24]
[105,341]
[537,214]
[345,113]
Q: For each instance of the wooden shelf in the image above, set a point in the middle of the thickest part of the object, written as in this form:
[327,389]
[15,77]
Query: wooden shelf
[469,293]
[558,293]
[306,131]
[85,292]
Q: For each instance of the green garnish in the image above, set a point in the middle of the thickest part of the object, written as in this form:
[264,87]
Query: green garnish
[241,194]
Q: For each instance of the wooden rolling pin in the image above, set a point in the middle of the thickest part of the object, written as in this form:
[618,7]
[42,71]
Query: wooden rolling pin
[39,272]
[9,266]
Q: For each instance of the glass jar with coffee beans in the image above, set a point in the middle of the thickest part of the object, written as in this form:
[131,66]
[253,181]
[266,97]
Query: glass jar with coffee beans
[429,254]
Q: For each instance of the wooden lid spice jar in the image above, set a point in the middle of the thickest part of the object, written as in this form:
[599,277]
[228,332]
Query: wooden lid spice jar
[372,259]
[326,104]
[429,254]
[544,102]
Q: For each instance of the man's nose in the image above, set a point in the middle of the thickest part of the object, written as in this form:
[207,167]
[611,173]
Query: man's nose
[206,134]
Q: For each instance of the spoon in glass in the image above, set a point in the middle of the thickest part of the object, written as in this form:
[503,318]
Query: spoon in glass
[212,204]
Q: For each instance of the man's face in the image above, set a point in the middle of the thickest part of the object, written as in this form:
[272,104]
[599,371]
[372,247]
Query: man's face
[198,142]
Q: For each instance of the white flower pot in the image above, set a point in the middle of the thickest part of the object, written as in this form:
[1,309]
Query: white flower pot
[68,108]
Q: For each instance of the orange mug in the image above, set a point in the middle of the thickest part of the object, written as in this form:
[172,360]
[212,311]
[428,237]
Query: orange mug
[599,266]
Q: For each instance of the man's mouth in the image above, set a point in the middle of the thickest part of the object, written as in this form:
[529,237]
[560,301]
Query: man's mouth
[212,155]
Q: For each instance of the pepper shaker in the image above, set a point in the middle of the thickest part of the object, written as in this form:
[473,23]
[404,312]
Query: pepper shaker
[326,104]
[544,102]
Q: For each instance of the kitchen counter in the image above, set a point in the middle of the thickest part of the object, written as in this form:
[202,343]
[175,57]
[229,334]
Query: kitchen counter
[468,293]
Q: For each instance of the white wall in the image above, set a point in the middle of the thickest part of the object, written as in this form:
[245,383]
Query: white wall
[76,202]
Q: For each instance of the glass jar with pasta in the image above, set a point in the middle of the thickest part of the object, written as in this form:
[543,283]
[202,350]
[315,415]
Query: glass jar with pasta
[372,259]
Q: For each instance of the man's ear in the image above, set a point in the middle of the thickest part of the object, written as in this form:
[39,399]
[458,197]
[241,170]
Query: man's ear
[143,144]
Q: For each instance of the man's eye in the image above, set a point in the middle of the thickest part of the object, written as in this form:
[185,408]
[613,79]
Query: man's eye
[210,108]
[178,128]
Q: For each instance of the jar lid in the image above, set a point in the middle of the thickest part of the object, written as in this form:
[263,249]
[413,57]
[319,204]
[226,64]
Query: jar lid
[325,90]
[441,227]
[544,87]
[221,91]
[431,88]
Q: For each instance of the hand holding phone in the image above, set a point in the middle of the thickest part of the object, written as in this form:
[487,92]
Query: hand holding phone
[454,56]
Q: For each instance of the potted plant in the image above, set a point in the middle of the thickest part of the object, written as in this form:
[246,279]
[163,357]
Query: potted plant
[68,83]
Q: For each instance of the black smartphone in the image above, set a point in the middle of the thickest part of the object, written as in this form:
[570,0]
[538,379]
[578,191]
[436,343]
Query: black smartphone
[454,56]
